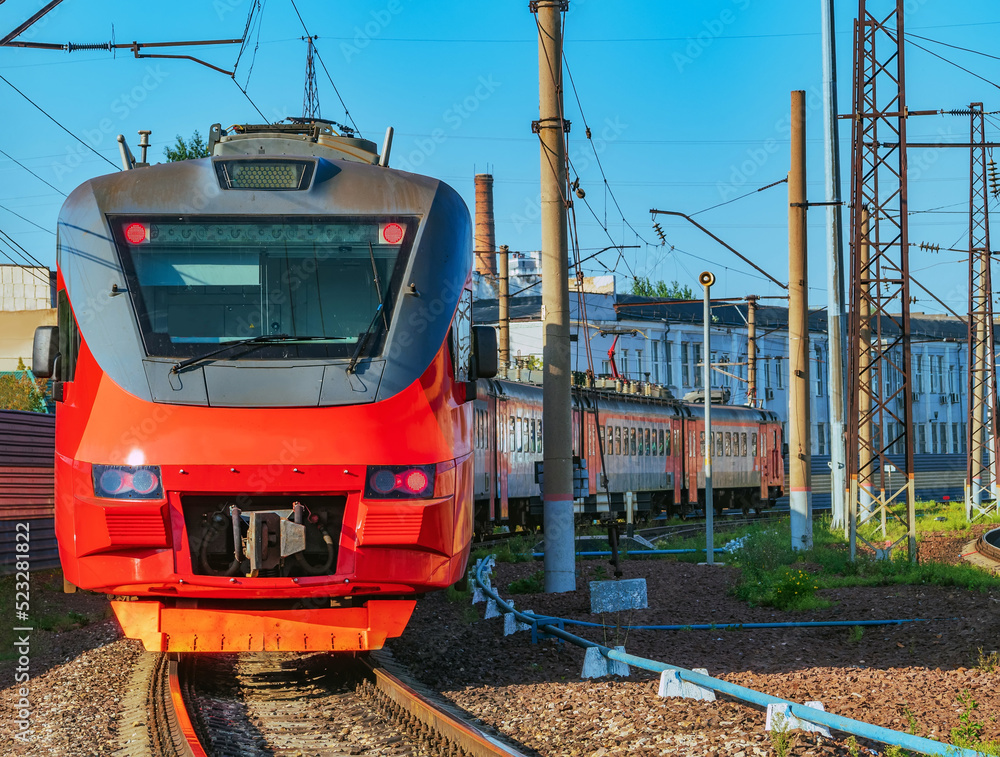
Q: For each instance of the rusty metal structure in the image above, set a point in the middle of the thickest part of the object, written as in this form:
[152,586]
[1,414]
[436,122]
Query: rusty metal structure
[980,482]
[880,287]
[310,97]
[485,241]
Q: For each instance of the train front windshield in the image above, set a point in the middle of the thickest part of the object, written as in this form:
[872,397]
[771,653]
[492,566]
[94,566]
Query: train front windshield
[197,282]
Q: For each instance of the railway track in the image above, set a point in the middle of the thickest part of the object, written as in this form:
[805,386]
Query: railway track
[285,705]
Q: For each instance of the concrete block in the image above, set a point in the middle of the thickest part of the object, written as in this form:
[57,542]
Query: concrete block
[478,596]
[618,668]
[18,289]
[509,624]
[19,303]
[672,685]
[595,665]
[491,610]
[778,716]
[612,596]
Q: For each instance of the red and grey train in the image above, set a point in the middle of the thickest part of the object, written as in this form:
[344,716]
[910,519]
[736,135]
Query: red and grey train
[653,448]
[264,373]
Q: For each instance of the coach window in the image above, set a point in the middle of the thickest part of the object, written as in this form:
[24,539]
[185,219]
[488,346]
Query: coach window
[646,434]
[631,443]
[743,443]
[618,440]
[639,451]
[525,427]
[753,444]
[702,443]
[728,444]
[718,443]
[609,440]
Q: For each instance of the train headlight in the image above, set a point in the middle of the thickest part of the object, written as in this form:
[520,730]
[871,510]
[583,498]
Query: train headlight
[399,482]
[128,481]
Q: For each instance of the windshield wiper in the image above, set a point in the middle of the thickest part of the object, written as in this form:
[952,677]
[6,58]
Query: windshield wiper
[363,340]
[262,339]
[380,310]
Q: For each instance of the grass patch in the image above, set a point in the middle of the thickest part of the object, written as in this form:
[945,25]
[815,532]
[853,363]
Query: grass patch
[533,584]
[515,549]
[49,609]
[770,576]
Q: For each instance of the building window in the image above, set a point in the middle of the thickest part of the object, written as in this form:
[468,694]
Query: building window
[656,362]
[638,366]
[779,375]
[918,372]
[698,368]
[606,367]
[668,358]
[820,373]
[624,370]
[685,364]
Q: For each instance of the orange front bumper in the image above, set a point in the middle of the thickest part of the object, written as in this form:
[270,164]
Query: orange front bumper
[334,629]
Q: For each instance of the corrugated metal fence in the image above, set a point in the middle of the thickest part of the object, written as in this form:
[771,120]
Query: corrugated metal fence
[27,459]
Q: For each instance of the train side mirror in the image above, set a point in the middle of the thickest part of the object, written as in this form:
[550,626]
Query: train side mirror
[484,352]
[44,351]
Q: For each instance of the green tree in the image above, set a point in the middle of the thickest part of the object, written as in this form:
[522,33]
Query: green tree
[19,392]
[189,150]
[642,286]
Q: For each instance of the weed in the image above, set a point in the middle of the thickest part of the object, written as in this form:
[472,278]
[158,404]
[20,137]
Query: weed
[513,550]
[782,740]
[599,573]
[895,750]
[855,635]
[456,595]
[533,584]
[62,621]
[968,733]
[912,720]
[793,590]
[988,662]
[852,746]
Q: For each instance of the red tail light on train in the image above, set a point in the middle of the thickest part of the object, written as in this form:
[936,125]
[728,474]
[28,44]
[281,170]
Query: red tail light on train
[399,482]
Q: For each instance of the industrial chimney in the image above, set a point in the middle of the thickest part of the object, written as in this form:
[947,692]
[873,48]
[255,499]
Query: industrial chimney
[485,235]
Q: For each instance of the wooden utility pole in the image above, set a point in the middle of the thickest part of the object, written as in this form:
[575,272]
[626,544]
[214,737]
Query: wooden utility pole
[752,350]
[557,455]
[799,443]
[504,301]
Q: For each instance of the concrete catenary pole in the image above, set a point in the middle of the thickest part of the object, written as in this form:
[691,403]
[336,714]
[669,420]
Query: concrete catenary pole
[799,449]
[503,261]
[557,455]
[486,238]
[707,279]
[752,350]
[835,318]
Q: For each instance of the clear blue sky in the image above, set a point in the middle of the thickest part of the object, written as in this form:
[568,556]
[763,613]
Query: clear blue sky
[687,103]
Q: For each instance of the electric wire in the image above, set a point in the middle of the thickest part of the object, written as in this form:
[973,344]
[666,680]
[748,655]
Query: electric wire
[15,160]
[953,63]
[597,157]
[326,71]
[14,246]
[53,120]
[28,220]
[23,252]
[751,192]
[250,100]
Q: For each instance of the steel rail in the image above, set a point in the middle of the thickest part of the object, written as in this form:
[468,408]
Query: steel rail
[800,711]
[172,731]
[466,737]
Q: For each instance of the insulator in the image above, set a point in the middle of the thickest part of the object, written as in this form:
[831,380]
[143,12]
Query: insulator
[588,132]
[580,193]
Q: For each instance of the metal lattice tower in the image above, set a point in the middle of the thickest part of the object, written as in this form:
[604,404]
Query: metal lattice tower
[310,99]
[980,484]
[880,422]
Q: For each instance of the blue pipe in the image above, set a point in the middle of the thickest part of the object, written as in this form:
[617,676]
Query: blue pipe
[808,714]
[635,552]
[737,626]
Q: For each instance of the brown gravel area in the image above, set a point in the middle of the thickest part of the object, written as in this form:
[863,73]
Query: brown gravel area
[902,677]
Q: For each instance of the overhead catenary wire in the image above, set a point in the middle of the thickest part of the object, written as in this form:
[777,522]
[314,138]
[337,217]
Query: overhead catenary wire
[53,120]
[11,242]
[28,220]
[15,160]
